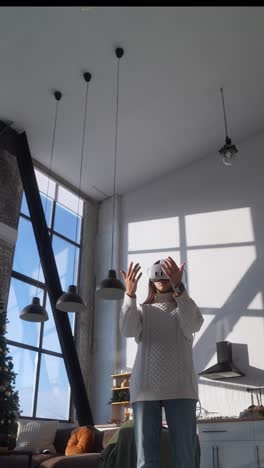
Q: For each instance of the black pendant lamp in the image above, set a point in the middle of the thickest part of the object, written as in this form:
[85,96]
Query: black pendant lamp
[71,301]
[34,312]
[111,288]
[229,150]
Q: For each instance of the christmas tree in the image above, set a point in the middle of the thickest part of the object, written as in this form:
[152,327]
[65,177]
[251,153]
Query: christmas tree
[9,401]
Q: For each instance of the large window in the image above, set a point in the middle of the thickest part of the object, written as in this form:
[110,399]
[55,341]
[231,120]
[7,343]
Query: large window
[42,381]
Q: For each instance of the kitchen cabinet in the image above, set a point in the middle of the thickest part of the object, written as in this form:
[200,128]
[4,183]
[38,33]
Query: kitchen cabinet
[207,455]
[232,445]
[231,455]
[237,455]
[260,453]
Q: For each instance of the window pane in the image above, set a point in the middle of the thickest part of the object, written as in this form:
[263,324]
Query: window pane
[47,208]
[64,255]
[70,200]
[67,223]
[46,203]
[45,184]
[26,259]
[20,295]
[24,205]
[25,367]
[50,336]
[54,390]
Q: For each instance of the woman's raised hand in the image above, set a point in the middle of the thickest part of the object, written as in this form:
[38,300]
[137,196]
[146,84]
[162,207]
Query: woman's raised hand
[131,278]
[172,270]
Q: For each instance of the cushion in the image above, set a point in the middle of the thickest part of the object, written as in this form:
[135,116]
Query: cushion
[62,437]
[98,443]
[36,435]
[81,441]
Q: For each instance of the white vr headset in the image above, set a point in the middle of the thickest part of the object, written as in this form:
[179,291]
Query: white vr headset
[155,272]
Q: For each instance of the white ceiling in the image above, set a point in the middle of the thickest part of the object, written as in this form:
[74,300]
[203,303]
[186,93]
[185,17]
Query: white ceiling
[176,59]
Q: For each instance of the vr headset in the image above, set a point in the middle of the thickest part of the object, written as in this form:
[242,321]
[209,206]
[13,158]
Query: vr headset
[155,272]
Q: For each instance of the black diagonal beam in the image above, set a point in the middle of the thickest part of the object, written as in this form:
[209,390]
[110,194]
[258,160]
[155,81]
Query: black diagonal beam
[25,164]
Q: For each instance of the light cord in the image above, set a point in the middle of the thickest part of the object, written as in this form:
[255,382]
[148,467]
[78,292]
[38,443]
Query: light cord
[114,190]
[223,102]
[57,96]
[80,178]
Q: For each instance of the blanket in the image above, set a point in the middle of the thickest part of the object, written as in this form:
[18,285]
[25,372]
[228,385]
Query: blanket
[121,449]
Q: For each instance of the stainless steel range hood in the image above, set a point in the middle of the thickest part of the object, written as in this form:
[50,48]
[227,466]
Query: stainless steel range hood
[225,368]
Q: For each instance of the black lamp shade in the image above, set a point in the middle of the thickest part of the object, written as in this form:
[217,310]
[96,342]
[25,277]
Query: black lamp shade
[70,301]
[34,312]
[111,288]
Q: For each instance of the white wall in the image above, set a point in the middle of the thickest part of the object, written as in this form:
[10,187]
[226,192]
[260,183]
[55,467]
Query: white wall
[211,217]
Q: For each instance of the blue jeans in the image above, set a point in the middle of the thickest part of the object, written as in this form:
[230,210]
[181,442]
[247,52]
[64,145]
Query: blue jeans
[181,420]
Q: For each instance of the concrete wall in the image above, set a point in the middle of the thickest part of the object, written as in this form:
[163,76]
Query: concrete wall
[10,200]
[211,217]
[106,333]
[85,321]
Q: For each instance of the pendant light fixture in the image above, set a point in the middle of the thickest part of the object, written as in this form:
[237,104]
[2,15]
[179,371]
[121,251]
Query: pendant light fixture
[71,301]
[111,287]
[228,150]
[34,312]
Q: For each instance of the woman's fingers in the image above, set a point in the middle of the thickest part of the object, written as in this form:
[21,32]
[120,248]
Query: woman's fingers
[166,270]
[172,263]
[132,271]
[167,265]
[135,270]
[123,273]
[182,266]
[129,268]
[139,276]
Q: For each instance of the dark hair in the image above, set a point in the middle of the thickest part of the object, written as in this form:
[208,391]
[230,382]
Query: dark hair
[151,290]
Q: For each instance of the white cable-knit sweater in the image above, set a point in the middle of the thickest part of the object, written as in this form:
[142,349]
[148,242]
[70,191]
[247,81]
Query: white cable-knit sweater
[163,367]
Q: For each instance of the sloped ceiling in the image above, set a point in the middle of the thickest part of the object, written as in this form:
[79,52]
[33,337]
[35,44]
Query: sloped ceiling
[170,111]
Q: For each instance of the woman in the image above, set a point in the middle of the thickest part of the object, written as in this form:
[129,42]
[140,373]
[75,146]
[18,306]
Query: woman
[163,373]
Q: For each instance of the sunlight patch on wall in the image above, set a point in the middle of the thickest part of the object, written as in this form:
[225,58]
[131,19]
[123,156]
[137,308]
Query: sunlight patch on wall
[213,274]
[219,227]
[257,302]
[249,331]
[154,234]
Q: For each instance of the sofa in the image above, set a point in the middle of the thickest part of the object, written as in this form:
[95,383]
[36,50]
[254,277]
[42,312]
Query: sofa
[59,459]
[120,453]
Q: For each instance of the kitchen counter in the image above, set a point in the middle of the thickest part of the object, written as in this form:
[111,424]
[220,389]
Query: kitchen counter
[228,419]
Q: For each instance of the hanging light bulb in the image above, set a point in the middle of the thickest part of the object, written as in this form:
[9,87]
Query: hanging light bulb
[112,288]
[34,312]
[228,150]
[72,301]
